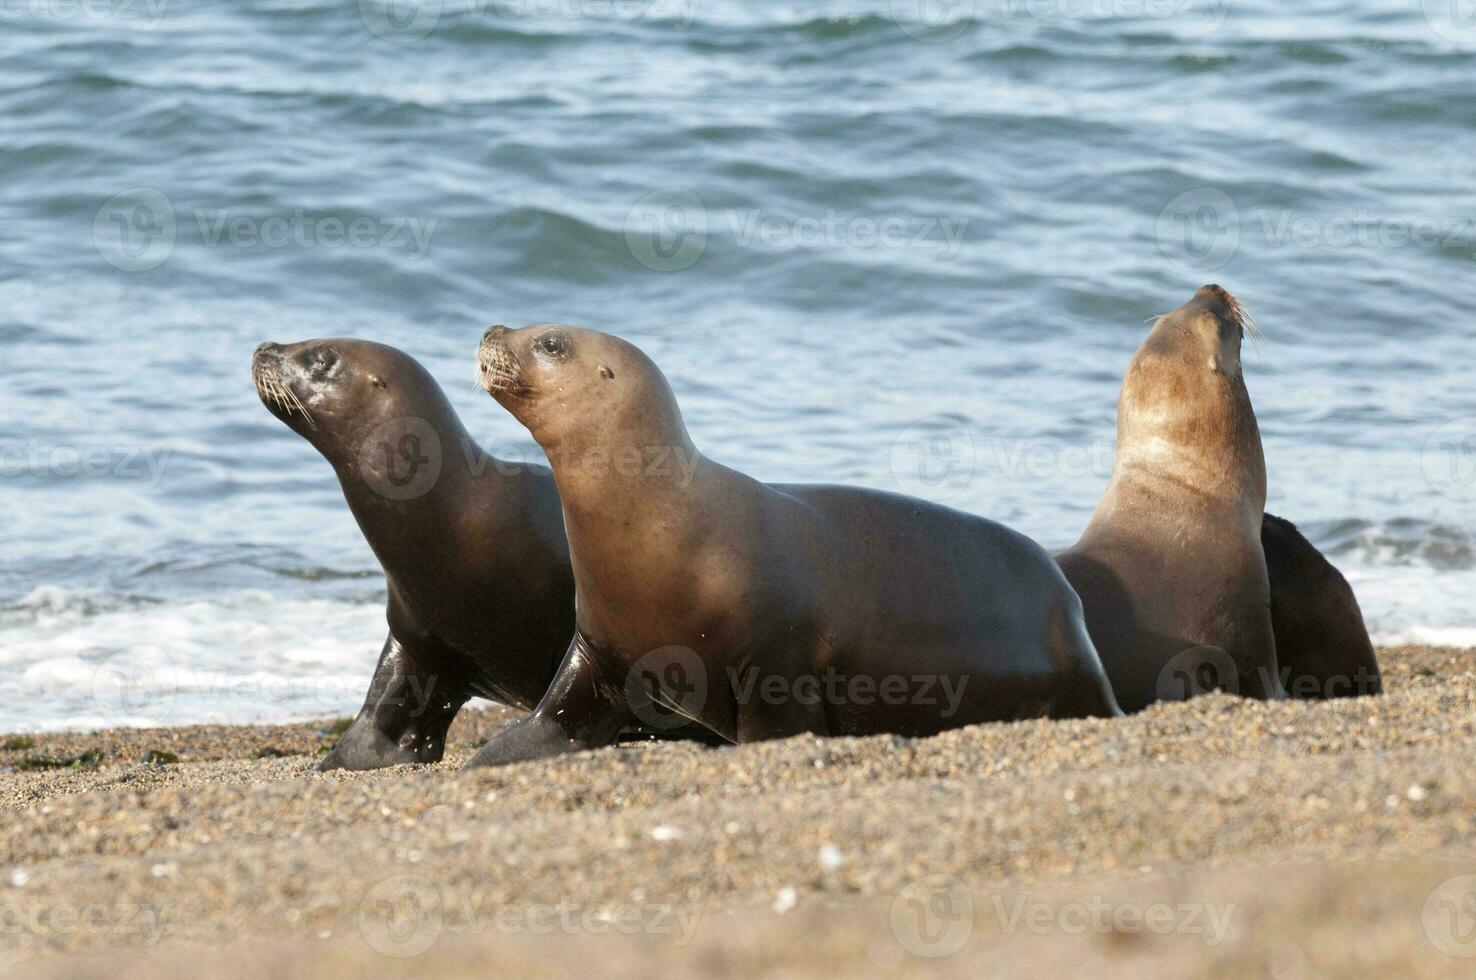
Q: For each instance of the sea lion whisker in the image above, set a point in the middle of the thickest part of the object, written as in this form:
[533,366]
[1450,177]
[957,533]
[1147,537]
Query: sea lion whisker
[307,416]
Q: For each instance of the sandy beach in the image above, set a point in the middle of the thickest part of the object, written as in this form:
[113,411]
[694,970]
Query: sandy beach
[1204,839]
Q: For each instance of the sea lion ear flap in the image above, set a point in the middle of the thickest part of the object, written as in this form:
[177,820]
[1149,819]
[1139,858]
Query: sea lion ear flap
[378,381]
[606,373]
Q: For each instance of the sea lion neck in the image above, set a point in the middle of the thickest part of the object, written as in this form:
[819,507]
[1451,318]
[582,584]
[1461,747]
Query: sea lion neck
[410,478]
[1182,423]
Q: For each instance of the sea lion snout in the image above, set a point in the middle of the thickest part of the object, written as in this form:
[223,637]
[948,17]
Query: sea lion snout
[498,368]
[271,387]
[265,355]
[1222,303]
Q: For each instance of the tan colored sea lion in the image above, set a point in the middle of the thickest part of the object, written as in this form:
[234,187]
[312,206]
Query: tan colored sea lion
[762,611]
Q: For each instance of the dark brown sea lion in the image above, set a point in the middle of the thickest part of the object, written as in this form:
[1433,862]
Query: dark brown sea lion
[763,611]
[1171,568]
[1322,645]
[481,594]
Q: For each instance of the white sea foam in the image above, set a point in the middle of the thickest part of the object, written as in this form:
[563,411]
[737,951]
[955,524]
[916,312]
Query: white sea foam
[77,660]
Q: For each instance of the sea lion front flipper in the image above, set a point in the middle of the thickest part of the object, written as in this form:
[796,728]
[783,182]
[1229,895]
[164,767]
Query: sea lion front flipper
[405,715]
[584,708]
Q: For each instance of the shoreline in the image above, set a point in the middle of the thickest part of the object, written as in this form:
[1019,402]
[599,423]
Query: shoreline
[1326,829]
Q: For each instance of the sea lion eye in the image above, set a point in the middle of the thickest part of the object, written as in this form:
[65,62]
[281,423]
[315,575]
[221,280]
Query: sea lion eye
[323,362]
[554,345]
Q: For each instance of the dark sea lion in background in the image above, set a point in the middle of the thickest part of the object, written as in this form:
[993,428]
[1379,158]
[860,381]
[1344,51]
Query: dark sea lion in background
[481,594]
[764,611]
[1322,644]
[1171,568]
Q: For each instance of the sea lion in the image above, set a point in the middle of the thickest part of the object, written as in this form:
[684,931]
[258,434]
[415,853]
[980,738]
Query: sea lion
[1322,645]
[481,593]
[1171,567]
[763,611]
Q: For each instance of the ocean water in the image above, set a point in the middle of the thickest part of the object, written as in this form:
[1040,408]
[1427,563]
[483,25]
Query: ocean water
[909,244]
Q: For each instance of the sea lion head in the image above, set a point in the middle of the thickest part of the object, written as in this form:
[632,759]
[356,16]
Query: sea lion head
[578,388]
[1208,329]
[338,393]
[1184,407]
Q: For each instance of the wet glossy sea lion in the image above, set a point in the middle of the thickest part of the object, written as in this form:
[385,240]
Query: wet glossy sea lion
[1322,645]
[1171,568]
[763,611]
[480,588]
